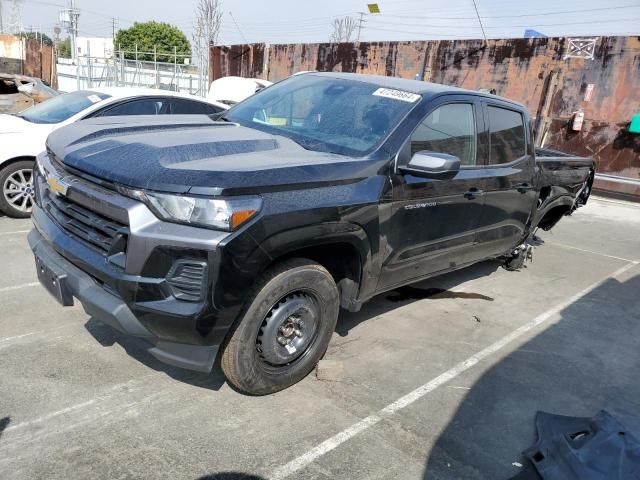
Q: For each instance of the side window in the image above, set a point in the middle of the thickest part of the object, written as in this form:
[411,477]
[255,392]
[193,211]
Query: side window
[507,138]
[188,107]
[448,129]
[151,106]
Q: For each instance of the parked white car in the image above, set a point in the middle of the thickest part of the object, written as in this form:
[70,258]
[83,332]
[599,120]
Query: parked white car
[23,135]
[231,90]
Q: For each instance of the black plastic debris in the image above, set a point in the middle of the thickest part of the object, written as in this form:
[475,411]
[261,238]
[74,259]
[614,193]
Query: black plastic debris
[575,448]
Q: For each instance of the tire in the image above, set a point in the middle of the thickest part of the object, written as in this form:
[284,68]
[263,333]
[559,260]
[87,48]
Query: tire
[17,194]
[284,329]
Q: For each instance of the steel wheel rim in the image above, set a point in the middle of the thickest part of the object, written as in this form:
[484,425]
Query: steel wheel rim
[289,329]
[18,190]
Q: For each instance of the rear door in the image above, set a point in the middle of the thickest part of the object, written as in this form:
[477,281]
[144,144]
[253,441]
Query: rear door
[509,196]
[433,222]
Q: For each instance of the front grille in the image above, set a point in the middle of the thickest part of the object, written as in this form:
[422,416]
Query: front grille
[97,231]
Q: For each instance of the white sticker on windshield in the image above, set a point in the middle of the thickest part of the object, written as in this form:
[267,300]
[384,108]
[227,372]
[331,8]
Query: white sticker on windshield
[94,98]
[397,95]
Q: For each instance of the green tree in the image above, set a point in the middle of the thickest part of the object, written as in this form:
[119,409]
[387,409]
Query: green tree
[36,36]
[63,48]
[163,36]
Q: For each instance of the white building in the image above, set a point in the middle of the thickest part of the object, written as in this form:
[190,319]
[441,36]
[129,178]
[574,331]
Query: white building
[95,47]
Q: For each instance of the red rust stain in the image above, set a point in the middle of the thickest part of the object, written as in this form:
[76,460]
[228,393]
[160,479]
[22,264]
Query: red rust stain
[519,69]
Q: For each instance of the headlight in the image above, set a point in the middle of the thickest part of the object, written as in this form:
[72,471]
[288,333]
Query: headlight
[224,214]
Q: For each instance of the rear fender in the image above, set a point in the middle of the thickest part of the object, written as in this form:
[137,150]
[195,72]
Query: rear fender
[551,213]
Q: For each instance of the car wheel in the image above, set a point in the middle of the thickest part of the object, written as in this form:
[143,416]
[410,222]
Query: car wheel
[284,329]
[18,194]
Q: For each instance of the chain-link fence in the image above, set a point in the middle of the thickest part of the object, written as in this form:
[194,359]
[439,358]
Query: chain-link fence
[128,69]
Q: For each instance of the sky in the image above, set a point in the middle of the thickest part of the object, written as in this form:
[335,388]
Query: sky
[298,21]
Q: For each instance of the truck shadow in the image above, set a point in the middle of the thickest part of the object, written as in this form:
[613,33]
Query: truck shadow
[435,288]
[585,361]
[230,476]
[440,287]
[4,423]
[137,349]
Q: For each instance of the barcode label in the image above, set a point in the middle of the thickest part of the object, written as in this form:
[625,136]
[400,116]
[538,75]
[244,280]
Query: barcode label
[397,95]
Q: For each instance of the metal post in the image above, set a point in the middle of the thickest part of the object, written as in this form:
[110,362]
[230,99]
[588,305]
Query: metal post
[265,63]
[137,72]
[155,65]
[78,73]
[543,121]
[175,67]
[89,69]
[122,70]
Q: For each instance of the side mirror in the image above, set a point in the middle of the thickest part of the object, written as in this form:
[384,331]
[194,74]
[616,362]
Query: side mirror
[432,165]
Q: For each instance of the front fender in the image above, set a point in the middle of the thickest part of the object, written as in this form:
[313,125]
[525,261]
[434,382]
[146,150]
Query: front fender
[286,242]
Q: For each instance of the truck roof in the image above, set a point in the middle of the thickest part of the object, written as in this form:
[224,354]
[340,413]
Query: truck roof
[426,89]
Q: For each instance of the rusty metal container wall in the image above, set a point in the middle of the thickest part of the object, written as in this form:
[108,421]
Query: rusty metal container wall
[533,72]
[28,57]
[11,54]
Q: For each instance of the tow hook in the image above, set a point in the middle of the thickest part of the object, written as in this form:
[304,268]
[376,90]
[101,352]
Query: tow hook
[519,256]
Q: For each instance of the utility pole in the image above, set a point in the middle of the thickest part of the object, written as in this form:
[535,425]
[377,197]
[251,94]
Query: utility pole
[113,28]
[69,20]
[15,20]
[360,22]
[74,28]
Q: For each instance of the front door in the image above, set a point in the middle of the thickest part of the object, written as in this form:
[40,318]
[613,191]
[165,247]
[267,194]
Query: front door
[432,224]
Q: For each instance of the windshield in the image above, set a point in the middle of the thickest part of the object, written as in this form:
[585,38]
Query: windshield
[61,107]
[326,114]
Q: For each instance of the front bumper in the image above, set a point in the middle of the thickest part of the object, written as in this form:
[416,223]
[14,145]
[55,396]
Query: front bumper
[108,308]
[145,277]
[136,272]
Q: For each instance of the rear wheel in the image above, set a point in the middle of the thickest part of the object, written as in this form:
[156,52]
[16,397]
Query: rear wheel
[17,196]
[285,329]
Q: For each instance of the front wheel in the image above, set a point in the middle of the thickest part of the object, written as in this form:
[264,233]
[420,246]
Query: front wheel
[17,196]
[285,329]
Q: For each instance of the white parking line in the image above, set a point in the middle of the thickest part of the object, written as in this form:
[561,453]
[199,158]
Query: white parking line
[16,337]
[357,428]
[18,287]
[571,247]
[14,232]
[8,341]
[113,391]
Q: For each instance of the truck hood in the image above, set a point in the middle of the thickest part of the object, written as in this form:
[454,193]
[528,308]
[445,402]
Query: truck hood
[194,154]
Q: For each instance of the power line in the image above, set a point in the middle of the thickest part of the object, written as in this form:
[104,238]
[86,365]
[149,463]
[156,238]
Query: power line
[413,32]
[540,14]
[479,20]
[238,27]
[491,27]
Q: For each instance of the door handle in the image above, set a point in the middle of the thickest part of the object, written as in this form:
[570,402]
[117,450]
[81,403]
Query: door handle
[523,187]
[472,193]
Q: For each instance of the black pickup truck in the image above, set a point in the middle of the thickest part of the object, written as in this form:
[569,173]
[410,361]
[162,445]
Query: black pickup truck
[240,237]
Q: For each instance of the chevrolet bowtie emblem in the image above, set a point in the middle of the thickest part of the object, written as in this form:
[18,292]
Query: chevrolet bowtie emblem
[57,185]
